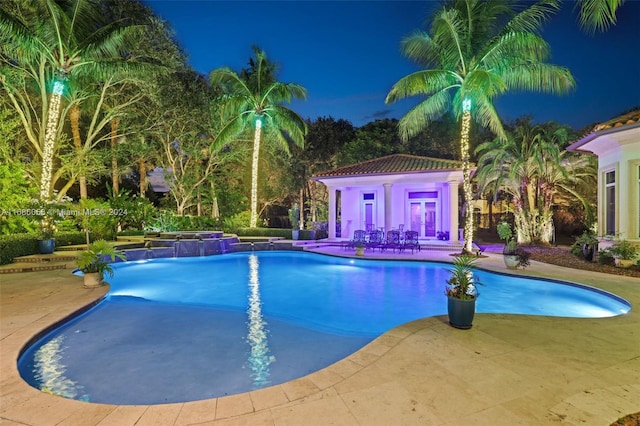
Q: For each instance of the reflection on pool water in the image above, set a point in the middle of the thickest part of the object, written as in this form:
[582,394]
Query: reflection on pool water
[174,330]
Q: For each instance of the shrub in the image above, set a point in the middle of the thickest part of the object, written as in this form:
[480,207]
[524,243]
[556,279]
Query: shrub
[234,223]
[264,232]
[12,246]
[605,257]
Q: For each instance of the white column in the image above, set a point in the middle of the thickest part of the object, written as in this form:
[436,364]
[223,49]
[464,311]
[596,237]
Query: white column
[332,212]
[453,210]
[387,207]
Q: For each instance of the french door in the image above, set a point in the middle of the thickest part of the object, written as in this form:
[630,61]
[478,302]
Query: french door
[423,217]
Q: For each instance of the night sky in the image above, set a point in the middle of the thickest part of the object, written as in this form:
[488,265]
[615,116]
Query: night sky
[347,54]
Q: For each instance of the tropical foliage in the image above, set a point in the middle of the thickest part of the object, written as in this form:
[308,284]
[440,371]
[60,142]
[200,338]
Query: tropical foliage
[535,170]
[473,52]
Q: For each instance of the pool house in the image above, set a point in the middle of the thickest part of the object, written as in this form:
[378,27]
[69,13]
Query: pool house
[395,192]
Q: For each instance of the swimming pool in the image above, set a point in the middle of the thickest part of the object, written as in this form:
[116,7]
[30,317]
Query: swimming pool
[174,330]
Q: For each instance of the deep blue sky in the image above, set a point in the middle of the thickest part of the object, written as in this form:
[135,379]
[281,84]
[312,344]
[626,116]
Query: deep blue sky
[346,53]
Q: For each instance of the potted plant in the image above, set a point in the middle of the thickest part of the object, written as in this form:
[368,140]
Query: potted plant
[294,218]
[624,253]
[46,240]
[359,245]
[513,255]
[586,245]
[461,292]
[94,265]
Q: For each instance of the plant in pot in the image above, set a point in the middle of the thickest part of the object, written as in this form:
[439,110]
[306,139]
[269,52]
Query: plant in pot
[93,264]
[586,245]
[625,253]
[461,292]
[46,240]
[294,218]
[359,245]
[513,255]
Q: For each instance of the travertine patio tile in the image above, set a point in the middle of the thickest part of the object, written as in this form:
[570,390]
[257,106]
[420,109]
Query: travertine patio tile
[164,414]
[234,405]
[197,412]
[299,388]
[325,378]
[321,412]
[263,418]
[388,404]
[269,397]
[345,368]
[123,415]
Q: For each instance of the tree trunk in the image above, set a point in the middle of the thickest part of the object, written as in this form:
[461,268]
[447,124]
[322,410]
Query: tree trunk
[254,175]
[74,119]
[301,208]
[48,150]
[115,176]
[142,168]
[466,182]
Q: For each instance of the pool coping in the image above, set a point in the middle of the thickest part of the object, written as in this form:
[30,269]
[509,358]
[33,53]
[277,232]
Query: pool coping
[21,403]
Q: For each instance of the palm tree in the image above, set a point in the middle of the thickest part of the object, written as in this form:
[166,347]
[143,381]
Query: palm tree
[474,51]
[535,170]
[53,41]
[253,99]
[598,14]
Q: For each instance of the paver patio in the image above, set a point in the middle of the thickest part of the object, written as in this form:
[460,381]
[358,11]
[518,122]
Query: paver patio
[506,370]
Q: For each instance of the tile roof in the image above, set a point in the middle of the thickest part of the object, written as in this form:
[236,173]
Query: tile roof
[632,117]
[396,163]
[621,122]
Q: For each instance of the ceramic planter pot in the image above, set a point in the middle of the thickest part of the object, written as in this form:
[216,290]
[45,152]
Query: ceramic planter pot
[359,251]
[295,234]
[511,261]
[46,246]
[588,250]
[624,263]
[461,312]
[92,280]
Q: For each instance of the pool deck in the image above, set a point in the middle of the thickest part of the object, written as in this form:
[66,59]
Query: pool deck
[506,370]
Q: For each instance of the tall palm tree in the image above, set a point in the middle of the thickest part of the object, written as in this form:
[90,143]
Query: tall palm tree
[474,51]
[54,41]
[253,99]
[535,170]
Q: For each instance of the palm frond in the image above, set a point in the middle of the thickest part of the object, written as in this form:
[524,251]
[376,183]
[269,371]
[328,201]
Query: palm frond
[598,15]
[426,82]
[539,77]
[426,111]
[532,18]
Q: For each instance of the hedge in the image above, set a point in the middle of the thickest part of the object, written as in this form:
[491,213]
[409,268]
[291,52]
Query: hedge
[16,245]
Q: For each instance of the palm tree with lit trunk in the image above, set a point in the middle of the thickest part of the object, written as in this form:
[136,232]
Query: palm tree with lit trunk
[474,51]
[63,40]
[253,100]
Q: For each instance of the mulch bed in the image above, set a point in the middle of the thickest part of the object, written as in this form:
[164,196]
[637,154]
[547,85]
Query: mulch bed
[561,256]
[630,420]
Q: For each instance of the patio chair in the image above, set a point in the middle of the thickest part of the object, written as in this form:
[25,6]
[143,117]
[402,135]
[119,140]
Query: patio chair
[392,241]
[359,237]
[376,239]
[411,241]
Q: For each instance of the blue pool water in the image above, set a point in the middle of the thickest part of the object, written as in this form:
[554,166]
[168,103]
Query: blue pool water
[174,330]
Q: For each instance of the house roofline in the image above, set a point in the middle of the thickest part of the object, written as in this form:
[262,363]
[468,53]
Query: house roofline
[575,147]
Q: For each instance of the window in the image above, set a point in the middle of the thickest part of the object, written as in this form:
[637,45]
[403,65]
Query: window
[610,203]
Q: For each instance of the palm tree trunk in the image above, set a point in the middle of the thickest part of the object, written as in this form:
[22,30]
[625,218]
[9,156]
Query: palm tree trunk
[49,141]
[142,168]
[254,175]
[466,182]
[115,176]
[301,208]
[74,119]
